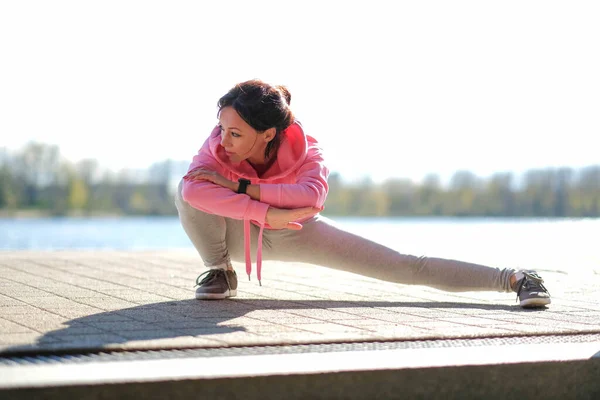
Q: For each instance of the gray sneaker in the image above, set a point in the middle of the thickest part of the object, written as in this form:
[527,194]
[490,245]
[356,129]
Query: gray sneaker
[531,291]
[216,284]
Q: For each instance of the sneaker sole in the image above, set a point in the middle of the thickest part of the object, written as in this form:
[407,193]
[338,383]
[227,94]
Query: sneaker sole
[216,296]
[531,303]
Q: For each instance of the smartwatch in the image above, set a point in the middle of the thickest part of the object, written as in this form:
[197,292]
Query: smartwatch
[243,185]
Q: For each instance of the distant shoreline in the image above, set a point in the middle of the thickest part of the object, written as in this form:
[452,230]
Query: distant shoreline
[33,214]
[41,214]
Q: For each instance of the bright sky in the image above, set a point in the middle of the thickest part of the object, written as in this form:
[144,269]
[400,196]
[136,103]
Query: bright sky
[390,89]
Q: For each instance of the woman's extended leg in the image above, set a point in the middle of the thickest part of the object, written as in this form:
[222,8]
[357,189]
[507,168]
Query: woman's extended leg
[321,242]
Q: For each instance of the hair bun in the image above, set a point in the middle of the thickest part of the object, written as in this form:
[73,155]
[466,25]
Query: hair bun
[285,93]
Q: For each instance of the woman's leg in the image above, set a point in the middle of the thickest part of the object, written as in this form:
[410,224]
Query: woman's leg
[216,238]
[321,242]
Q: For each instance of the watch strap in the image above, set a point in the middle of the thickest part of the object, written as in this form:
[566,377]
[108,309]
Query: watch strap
[243,185]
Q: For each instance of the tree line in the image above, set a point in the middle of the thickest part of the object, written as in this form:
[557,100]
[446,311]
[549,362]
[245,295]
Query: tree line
[550,192]
[36,178]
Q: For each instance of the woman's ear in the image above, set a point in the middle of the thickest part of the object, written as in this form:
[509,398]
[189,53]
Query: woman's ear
[269,134]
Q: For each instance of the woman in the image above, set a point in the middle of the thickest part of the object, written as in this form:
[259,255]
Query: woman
[259,182]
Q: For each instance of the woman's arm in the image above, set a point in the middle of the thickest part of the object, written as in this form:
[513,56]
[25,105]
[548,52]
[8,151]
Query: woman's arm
[215,199]
[206,189]
[228,204]
[253,191]
[309,190]
[205,173]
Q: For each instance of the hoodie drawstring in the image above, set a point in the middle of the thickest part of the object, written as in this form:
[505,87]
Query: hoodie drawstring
[258,253]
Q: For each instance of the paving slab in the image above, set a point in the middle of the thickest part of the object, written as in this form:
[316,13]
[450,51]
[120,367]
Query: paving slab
[116,324]
[115,300]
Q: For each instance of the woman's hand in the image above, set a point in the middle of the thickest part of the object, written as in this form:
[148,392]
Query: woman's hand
[280,218]
[203,174]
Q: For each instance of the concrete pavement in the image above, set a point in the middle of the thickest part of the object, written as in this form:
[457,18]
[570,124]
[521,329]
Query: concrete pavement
[88,302]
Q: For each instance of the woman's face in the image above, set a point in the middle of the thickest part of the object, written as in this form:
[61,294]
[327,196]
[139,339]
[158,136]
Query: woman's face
[239,139]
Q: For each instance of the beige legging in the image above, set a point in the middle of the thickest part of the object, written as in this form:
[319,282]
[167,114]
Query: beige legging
[321,242]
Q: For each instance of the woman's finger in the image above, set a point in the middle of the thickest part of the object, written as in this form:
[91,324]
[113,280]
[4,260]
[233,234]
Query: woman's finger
[305,212]
[196,172]
[295,226]
[196,177]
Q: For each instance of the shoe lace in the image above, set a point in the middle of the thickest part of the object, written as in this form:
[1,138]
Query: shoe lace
[531,281]
[211,275]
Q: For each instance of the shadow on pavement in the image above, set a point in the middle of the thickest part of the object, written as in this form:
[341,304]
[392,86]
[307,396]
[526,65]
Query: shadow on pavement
[173,319]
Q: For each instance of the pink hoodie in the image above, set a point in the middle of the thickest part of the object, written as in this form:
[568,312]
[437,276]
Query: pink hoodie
[297,178]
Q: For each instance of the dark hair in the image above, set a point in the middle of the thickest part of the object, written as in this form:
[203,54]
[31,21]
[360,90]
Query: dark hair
[262,106]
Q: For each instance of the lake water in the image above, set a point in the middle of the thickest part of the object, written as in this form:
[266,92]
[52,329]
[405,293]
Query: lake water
[565,245]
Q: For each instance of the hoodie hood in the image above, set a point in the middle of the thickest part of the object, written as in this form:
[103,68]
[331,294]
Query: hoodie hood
[290,155]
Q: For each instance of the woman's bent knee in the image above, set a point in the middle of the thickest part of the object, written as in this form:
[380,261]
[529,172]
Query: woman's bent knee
[180,203]
[185,209]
